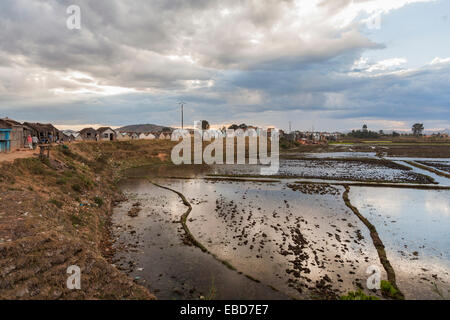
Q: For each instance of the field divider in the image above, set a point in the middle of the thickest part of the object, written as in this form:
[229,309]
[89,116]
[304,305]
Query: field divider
[377,185]
[427,168]
[379,246]
[194,241]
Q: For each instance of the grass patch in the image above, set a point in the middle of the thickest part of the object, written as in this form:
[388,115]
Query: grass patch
[33,165]
[388,290]
[212,291]
[358,295]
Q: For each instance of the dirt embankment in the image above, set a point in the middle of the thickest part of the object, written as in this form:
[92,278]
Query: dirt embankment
[54,214]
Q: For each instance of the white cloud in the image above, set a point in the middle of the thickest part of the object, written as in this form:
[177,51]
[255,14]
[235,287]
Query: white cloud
[386,64]
[440,61]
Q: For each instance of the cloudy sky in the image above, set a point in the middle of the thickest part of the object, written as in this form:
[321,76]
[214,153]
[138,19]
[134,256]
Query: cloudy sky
[327,64]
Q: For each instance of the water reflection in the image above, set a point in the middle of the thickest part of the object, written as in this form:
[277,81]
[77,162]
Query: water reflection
[415,228]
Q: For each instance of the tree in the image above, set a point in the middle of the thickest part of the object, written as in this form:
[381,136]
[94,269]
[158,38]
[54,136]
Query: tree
[395,134]
[205,125]
[417,129]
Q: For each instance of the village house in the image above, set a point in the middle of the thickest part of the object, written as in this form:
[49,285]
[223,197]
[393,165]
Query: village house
[164,136]
[18,134]
[133,136]
[106,134]
[146,136]
[89,134]
[45,132]
[5,136]
[76,136]
[64,137]
[123,136]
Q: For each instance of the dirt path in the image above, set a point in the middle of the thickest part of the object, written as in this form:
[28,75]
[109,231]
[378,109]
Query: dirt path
[11,156]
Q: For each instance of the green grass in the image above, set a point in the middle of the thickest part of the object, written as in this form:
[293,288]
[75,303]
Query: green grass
[212,291]
[358,295]
[388,289]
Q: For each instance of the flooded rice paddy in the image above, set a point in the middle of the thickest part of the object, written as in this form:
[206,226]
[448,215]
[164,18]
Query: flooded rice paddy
[415,228]
[336,169]
[152,249]
[278,239]
[440,165]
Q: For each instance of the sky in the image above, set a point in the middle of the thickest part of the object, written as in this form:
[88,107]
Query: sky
[330,65]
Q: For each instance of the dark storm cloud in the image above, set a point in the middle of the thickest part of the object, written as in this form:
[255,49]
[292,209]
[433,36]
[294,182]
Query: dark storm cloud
[229,59]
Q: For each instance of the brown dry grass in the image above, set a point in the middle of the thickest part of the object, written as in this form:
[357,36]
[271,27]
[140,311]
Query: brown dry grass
[56,213]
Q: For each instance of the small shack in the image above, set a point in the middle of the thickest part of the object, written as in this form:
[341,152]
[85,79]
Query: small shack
[18,134]
[123,136]
[12,136]
[5,132]
[89,134]
[133,136]
[65,137]
[76,136]
[146,136]
[45,132]
[106,134]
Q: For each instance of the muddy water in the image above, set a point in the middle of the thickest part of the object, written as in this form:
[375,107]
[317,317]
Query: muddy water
[443,181]
[340,155]
[443,166]
[150,248]
[305,245]
[325,169]
[415,228]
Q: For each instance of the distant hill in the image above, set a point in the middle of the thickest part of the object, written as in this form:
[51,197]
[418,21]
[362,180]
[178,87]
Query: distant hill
[143,128]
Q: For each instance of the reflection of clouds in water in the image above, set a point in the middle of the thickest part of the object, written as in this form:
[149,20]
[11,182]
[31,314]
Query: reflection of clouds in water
[397,202]
[379,201]
[437,205]
[421,218]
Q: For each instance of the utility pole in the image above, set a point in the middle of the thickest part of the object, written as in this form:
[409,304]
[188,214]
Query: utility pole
[182,113]
[290,129]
